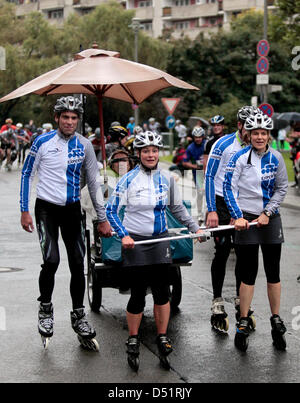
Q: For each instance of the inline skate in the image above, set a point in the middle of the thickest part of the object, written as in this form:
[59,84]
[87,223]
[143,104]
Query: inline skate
[164,349]
[219,320]
[252,321]
[277,332]
[85,332]
[133,352]
[242,333]
[45,323]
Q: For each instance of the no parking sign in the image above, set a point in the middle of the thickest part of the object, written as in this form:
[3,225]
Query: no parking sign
[262,65]
[267,109]
[263,48]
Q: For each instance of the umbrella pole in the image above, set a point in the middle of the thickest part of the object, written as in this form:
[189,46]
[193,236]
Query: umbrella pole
[100,110]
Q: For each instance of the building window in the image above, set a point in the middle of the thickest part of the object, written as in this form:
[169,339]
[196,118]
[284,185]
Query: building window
[181,3]
[147,26]
[211,22]
[187,24]
[143,3]
[56,14]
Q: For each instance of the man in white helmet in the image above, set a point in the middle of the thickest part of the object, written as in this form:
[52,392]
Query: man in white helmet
[59,157]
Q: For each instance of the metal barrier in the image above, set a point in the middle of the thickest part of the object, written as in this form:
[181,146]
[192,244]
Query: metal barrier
[168,140]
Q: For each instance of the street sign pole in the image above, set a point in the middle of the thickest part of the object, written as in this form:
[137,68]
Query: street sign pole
[170,104]
[262,66]
[170,123]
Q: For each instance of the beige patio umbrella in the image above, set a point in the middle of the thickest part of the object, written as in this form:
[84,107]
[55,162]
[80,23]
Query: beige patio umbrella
[104,74]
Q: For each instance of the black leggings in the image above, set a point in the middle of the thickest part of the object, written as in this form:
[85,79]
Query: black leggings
[49,218]
[224,241]
[143,277]
[223,245]
[247,259]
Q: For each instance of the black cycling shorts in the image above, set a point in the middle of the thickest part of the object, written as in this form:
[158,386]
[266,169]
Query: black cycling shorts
[142,277]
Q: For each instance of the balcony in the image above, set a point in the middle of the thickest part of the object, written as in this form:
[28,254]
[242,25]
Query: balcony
[194,32]
[144,13]
[85,3]
[236,5]
[23,9]
[51,4]
[190,12]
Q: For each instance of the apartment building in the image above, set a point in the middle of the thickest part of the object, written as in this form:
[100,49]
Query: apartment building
[157,17]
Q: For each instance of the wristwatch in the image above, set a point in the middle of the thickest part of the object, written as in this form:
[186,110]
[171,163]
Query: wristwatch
[267,213]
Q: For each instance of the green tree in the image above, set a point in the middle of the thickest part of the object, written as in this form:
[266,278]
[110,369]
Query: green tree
[223,65]
[289,13]
[108,26]
[228,109]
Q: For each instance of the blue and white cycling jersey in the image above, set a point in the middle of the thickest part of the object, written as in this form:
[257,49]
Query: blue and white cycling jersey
[255,182]
[220,154]
[145,195]
[59,162]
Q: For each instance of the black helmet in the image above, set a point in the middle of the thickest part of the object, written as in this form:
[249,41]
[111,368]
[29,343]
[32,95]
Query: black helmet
[71,104]
[117,132]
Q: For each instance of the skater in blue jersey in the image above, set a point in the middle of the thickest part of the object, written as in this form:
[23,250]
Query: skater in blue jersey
[255,185]
[59,157]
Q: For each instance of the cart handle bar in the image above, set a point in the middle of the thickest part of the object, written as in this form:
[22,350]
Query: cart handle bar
[203,237]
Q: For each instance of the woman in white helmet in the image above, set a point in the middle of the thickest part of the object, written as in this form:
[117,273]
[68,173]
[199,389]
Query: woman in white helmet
[145,192]
[255,185]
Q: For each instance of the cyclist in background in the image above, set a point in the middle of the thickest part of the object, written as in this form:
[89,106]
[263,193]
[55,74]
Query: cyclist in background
[193,159]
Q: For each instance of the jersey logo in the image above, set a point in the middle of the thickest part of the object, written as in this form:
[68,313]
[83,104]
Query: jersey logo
[217,153]
[230,166]
[268,171]
[161,192]
[75,156]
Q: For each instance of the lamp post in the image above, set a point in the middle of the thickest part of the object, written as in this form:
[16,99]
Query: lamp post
[136,26]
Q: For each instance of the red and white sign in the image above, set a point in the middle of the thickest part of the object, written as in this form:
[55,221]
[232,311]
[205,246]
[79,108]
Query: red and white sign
[267,109]
[263,48]
[262,65]
[170,104]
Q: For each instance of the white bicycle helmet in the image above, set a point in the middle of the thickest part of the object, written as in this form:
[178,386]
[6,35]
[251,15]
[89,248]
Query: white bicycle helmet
[247,111]
[259,121]
[198,132]
[137,130]
[147,138]
[70,103]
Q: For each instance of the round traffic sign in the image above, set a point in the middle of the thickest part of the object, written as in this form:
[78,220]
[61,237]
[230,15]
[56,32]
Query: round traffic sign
[267,109]
[263,48]
[170,122]
[262,65]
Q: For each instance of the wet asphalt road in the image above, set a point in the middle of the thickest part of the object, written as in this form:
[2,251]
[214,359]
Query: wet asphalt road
[201,354]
